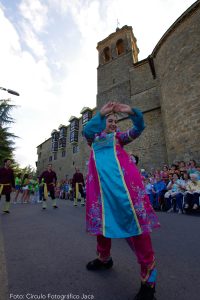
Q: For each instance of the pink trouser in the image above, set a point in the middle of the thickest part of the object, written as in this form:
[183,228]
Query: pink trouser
[142,247]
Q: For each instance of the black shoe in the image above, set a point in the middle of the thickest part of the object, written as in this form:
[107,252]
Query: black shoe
[6,211]
[44,208]
[55,206]
[145,293]
[97,264]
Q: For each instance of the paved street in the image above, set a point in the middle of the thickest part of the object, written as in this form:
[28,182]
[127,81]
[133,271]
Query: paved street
[46,253]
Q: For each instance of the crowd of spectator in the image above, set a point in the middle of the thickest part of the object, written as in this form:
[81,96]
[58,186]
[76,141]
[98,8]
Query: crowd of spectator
[174,188]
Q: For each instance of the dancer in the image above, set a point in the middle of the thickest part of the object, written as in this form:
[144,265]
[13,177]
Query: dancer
[78,184]
[49,178]
[116,203]
[7,183]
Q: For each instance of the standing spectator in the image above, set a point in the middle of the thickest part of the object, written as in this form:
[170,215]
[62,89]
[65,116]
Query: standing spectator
[66,189]
[18,186]
[41,189]
[58,190]
[35,199]
[78,184]
[25,188]
[71,192]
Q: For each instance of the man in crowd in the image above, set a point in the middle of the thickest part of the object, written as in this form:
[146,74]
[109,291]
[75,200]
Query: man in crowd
[7,183]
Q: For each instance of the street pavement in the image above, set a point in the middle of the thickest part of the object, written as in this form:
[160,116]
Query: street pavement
[46,253]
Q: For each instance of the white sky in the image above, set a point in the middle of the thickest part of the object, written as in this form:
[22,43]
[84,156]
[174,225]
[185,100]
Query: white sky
[48,54]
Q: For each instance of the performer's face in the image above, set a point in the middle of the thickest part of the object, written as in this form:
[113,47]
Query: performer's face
[49,167]
[8,163]
[111,124]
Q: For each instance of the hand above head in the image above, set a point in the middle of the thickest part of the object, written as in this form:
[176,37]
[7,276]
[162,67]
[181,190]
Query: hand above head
[107,108]
[124,108]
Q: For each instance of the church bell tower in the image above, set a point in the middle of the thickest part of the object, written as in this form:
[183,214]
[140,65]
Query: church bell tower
[117,54]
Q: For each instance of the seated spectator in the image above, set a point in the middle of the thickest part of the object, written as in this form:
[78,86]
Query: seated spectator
[165,174]
[192,193]
[158,190]
[185,179]
[144,173]
[182,166]
[174,195]
[148,189]
[198,171]
[191,166]
[174,170]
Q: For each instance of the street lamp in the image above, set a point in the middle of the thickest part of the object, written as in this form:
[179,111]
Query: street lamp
[10,91]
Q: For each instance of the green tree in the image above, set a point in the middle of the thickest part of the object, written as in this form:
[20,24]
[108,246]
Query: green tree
[6,137]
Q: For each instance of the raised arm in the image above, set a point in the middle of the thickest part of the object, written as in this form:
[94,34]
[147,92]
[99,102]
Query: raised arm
[98,123]
[128,136]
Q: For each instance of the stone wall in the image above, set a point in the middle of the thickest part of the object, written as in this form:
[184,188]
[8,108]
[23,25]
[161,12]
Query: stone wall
[177,64]
[44,152]
[150,146]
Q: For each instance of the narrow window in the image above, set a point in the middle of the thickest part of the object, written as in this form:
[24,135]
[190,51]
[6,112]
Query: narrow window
[106,52]
[120,47]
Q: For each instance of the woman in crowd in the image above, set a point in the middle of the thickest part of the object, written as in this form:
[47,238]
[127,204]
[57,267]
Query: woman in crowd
[192,192]
[18,186]
[174,196]
[165,174]
[25,188]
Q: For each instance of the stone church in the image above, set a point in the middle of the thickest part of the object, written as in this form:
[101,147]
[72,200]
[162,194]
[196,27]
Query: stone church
[165,86]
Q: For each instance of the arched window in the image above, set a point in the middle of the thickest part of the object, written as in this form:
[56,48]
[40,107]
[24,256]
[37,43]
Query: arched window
[120,47]
[106,53]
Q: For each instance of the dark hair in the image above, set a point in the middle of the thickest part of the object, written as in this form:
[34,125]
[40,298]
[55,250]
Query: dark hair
[176,175]
[136,158]
[174,165]
[25,177]
[6,159]
[19,174]
[194,161]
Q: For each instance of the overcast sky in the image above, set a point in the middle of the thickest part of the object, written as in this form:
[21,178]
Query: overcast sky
[48,54]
